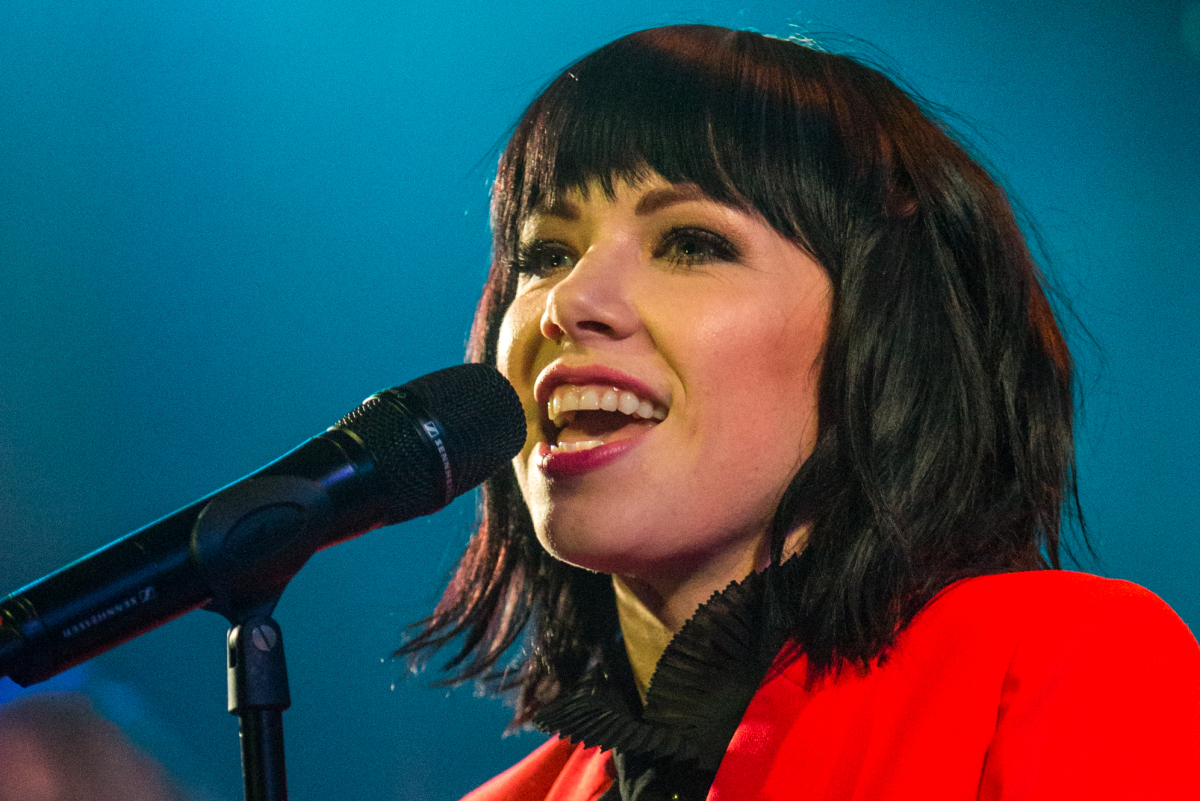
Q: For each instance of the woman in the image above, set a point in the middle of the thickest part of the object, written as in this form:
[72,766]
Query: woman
[800,445]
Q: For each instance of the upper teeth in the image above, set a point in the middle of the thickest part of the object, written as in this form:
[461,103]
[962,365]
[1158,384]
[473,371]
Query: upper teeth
[568,398]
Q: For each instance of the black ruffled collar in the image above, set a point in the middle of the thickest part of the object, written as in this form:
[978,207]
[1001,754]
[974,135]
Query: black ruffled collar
[697,696]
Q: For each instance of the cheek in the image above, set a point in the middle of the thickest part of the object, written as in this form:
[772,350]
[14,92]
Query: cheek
[513,334]
[800,348]
[763,368]
[517,357]
[518,347]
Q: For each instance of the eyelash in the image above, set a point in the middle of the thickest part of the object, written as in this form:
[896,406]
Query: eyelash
[533,256]
[716,247]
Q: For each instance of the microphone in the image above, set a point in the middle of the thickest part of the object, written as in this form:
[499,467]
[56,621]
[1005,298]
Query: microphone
[405,452]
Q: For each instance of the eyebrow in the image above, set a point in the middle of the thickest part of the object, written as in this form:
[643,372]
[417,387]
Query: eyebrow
[658,199]
[652,201]
[561,208]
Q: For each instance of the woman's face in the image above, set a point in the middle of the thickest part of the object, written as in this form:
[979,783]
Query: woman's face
[666,349]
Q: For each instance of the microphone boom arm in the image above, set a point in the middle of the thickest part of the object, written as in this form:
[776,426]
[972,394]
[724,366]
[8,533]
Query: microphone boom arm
[232,552]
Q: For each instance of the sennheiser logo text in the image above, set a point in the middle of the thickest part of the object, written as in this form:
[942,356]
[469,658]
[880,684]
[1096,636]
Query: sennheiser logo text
[143,595]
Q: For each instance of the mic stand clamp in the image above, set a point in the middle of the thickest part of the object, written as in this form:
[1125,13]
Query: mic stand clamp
[258,695]
[275,520]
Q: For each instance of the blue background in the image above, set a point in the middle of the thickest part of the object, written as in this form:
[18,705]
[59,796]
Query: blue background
[223,224]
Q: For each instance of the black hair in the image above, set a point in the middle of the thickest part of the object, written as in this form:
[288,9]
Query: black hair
[944,446]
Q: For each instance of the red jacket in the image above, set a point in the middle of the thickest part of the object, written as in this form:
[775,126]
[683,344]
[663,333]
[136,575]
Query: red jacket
[1042,685]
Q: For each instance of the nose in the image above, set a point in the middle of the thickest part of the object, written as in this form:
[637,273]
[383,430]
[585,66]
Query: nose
[593,302]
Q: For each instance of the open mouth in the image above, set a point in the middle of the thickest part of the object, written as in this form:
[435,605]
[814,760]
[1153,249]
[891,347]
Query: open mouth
[588,416]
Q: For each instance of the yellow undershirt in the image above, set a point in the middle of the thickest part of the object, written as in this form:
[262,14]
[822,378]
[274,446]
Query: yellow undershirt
[645,636]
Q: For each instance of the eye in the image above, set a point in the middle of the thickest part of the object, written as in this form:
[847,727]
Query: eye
[688,247]
[541,257]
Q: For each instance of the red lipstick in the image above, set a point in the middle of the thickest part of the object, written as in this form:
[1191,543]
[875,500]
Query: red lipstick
[563,464]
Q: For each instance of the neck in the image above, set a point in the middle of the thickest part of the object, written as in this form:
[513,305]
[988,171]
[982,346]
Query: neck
[653,607]
[652,613]
[645,635]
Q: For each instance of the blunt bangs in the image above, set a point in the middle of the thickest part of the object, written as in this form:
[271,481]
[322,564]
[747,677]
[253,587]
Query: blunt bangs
[769,126]
[711,107]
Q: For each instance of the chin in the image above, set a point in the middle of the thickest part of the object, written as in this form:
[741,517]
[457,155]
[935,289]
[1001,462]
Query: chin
[618,553]
[593,551]
[594,559]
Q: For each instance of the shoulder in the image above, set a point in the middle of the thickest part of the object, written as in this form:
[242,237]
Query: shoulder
[1047,625]
[979,630]
[1100,686]
[1038,608]
[992,625]
[1030,685]
[1050,590]
[558,770]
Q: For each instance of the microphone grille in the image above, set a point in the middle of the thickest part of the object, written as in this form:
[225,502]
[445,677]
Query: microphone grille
[477,418]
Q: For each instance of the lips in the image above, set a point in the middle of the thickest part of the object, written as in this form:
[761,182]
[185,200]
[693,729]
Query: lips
[591,416]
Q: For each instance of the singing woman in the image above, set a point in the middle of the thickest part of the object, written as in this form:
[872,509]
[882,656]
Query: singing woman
[787,523]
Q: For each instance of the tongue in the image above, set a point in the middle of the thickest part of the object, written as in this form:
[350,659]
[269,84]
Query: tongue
[604,426]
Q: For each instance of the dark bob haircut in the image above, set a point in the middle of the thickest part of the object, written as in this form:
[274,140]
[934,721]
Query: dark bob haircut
[944,447]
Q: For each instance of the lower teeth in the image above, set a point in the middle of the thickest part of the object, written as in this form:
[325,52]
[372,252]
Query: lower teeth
[571,447]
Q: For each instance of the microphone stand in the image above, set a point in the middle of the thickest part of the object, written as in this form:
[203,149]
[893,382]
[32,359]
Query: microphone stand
[258,690]
[258,695]
[234,552]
